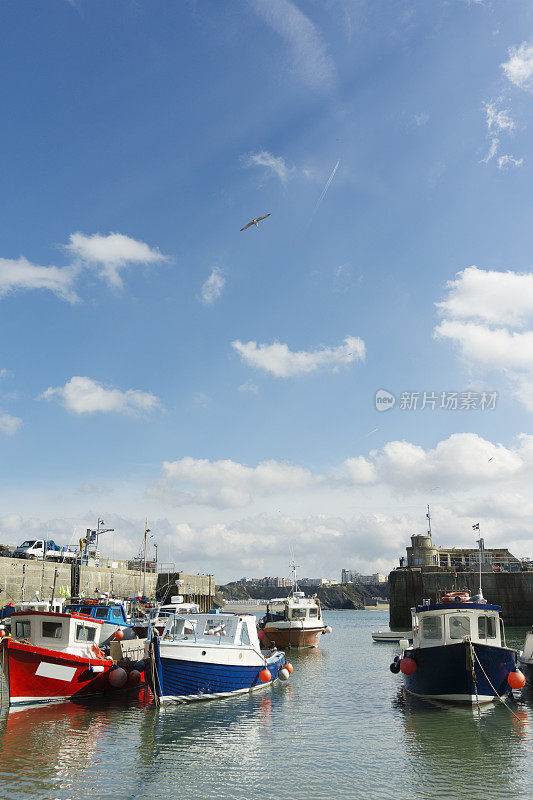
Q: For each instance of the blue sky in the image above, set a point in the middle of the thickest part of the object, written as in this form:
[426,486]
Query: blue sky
[137,139]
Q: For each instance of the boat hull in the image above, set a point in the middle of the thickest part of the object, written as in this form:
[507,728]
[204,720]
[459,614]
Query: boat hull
[180,680]
[392,636]
[38,675]
[445,673]
[286,638]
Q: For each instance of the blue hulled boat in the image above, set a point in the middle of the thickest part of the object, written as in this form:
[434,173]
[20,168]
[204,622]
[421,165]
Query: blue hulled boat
[459,653]
[221,657]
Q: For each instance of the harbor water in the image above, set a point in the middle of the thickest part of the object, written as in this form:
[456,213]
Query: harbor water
[341,728]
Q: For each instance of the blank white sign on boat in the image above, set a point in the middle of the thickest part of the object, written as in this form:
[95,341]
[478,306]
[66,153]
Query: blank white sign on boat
[47,670]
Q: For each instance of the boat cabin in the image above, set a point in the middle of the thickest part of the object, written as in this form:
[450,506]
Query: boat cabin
[105,612]
[450,623]
[161,613]
[296,607]
[214,629]
[70,633]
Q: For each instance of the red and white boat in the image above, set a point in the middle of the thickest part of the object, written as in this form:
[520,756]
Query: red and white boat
[53,657]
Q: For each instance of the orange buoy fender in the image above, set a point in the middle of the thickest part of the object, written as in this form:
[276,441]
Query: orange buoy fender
[408,666]
[516,679]
[289,667]
[265,676]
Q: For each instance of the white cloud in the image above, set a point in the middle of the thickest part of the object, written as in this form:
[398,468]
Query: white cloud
[82,395]
[498,119]
[213,286]
[283,363]
[328,517]
[519,67]
[484,315]
[98,489]
[509,161]
[9,424]
[463,461]
[225,484]
[19,274]
[249,386]
[491,296]
[275,164]
[493,149]
[111,254]
[421,119]
[493,348]
[310,59]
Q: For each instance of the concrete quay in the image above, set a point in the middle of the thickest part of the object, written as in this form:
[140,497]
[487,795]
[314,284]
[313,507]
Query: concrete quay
[21,577]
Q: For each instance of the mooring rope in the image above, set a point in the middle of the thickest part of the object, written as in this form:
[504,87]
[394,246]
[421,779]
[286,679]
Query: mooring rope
[501,699]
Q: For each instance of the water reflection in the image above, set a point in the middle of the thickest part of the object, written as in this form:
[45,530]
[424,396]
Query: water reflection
[469,752]
[56,745]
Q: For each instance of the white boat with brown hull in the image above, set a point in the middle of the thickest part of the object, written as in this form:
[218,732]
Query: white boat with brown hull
[292,622]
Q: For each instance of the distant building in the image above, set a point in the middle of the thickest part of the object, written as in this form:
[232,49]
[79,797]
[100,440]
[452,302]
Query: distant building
[316,582]
[423,553]
[352,576]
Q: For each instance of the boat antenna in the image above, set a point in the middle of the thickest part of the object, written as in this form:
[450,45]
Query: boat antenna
[293,565]
[481,544]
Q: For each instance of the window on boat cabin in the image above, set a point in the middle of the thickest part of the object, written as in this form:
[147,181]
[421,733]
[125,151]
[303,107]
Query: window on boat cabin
[117,612]
[101,613]
[298,613]
[52,630]
[486,627]
[213,627]
[432,627]
[313,612]
[22,629]
[245,636]
[459,626]
[85,634]
[86,610]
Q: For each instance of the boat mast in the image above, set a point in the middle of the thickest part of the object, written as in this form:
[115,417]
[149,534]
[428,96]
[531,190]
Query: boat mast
[428,515]
[292,565]
[146,532]
[481,544]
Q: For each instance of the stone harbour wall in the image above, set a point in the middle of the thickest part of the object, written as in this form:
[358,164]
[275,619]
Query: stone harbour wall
[513,591]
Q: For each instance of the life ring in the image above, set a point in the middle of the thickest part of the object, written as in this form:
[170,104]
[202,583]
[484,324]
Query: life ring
[456,597]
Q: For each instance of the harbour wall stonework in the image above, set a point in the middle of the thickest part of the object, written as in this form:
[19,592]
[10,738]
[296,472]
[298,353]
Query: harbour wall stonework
[198,589]
[21,575]
[513,591]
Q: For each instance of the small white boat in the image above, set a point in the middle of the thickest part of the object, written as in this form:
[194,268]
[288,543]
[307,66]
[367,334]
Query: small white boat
[392,636]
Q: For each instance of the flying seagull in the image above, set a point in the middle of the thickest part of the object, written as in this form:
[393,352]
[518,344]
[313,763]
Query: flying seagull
[254,222]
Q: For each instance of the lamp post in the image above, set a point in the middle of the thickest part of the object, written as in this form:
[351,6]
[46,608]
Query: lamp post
[155,546]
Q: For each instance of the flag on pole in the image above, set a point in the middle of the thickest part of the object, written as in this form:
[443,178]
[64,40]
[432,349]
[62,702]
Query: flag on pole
[475,527]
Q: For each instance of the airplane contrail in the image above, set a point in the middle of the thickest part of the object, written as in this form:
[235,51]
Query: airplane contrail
[326,187]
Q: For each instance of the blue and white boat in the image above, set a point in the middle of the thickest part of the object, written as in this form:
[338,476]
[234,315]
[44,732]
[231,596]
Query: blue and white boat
[221,657]
[459,653]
